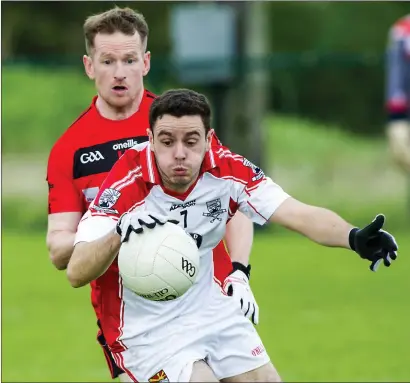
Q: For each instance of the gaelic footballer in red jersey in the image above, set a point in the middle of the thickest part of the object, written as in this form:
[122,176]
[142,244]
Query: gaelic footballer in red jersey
[179,163]
[117,60]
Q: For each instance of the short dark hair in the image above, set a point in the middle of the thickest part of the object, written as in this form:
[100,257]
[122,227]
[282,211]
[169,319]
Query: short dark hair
[179,103]
[124,20]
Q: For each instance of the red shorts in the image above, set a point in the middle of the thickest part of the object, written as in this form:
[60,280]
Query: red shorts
[222,267]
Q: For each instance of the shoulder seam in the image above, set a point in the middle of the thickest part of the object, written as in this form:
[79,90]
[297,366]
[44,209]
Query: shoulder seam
[80,116]
[66,131]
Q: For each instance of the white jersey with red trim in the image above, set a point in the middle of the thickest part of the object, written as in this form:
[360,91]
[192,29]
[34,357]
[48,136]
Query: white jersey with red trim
[227,182]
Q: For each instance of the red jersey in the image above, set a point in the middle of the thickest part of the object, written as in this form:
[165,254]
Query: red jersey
[81,159]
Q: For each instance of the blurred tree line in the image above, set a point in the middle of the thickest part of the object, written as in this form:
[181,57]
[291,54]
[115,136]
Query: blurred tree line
[326,61]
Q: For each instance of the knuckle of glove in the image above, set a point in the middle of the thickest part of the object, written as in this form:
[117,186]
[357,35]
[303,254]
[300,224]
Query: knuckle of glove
[124,223]
[158,216]
[162,219]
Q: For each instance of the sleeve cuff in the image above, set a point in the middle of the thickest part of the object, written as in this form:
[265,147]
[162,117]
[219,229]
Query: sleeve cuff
[93,228]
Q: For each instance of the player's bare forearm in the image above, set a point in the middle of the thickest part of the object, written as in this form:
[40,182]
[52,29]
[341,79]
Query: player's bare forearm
[60,247]
[318,224]
[92,259]
[239,238]
[60,237]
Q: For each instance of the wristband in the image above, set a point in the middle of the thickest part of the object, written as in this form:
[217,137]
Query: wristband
[245,269]
[352,234]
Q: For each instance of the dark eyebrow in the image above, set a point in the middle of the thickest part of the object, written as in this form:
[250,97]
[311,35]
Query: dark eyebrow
[190,134]
[164,133]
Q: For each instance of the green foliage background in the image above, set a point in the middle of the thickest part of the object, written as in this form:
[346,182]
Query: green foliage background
[326,59]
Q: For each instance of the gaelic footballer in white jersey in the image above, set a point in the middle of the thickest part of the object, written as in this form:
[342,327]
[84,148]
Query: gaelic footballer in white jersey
[228,182]
[180,176]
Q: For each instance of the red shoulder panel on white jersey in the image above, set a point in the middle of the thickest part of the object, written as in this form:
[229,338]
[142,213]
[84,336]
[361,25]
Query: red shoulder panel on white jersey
[254,194]
[125,188]
[238,168]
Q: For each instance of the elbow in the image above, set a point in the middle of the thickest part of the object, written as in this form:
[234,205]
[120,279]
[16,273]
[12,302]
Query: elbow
[76,283]
[75,280]
[58,263]
[58,256]
[75,276]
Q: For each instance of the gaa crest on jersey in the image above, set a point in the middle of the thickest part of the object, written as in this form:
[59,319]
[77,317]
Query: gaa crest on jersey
[159,377]
[107,200]
[214,210]
[257,170]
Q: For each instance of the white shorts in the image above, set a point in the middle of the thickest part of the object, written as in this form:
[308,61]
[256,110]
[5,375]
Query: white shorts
[218,334]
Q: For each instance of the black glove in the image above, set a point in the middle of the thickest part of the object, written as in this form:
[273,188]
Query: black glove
[374,244]
[135,221]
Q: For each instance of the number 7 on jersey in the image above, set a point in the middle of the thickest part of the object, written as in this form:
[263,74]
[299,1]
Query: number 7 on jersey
[185,214]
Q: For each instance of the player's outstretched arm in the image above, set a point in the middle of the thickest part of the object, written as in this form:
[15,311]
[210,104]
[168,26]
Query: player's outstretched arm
[318,224]
[329,229]
[91,259]
[60,237]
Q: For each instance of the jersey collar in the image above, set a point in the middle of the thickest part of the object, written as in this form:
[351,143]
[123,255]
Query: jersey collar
[144,106]
[149,169]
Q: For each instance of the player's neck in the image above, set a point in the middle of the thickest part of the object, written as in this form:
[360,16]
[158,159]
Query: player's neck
[111,113]
[179,190]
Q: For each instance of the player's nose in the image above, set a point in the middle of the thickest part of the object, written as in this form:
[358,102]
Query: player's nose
[119,74]
[179,151]
[119,78]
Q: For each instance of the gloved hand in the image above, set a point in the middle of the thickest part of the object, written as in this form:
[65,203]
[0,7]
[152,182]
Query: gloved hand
[136,221]
[237,286]
[374,244]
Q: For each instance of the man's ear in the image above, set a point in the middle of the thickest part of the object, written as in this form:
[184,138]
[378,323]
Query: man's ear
[89,67]
[147,63]
[150,138]
[209,138]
